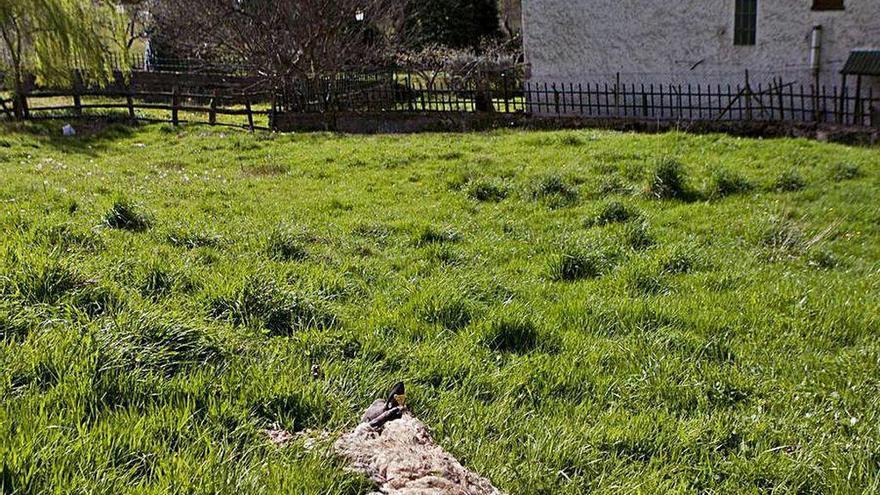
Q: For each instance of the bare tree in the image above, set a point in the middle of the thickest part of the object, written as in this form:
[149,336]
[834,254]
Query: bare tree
[464,68]
[281,39]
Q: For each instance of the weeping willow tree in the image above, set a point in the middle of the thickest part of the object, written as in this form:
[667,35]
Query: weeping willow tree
[51,38]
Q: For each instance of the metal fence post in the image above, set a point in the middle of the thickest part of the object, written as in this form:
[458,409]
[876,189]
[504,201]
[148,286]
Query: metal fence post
[556,98]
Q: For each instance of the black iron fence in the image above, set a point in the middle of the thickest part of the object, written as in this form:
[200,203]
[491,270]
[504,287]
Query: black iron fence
[774,101]
[501,92]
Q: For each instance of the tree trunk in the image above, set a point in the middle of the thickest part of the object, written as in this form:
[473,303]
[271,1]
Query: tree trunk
[19,100]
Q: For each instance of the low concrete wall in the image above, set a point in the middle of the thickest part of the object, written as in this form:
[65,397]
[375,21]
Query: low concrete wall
[398,123]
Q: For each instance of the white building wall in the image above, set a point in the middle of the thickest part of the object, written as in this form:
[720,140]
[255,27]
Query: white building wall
[690,41]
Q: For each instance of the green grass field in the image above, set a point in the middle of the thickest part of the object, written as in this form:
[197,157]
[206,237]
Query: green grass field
[574,312]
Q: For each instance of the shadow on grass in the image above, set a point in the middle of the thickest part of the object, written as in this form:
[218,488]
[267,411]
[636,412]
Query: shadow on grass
[92,134]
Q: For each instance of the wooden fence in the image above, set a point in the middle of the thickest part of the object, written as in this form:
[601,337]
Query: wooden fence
[175,107]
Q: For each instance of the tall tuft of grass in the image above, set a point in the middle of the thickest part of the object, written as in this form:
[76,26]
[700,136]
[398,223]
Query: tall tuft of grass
[845,171]
[578,263]
[726,182]
[613,212]
[678,262]
[640,282]
[555,191]
[294,411]
[790,180]
[512,332]
[45,280]
[429,234]
[286,245]
[638,237]
[192,237]
[126,215]
[668,180]
[147,341]
[261,303]
[488,190]
[14,323]
[449,309]
[157,280]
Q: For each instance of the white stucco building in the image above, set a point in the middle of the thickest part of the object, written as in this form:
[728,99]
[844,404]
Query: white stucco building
[699,41]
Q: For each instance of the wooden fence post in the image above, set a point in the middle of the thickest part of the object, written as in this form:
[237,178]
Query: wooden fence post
[409,93]
[212,113]
[77,90]
[858,111]
[250,114]
[504,89]
[174,105]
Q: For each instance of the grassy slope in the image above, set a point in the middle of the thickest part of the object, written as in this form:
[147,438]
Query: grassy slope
[711,343]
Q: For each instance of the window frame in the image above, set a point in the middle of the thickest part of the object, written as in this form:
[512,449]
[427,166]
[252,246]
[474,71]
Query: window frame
[829,5]
[745,23]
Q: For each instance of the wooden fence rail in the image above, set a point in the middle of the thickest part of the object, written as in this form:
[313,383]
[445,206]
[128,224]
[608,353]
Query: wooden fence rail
[75,103]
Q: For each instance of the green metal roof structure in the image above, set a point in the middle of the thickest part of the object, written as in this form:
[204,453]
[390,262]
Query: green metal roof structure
[863,63]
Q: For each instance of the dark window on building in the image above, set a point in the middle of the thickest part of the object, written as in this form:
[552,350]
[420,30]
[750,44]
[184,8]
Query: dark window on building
[745,24]
[828,5]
